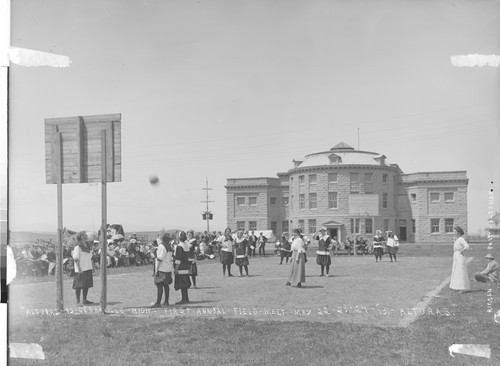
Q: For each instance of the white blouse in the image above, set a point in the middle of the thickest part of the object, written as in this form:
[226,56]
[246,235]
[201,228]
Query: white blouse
[84,259]
[298,245]
[164,261]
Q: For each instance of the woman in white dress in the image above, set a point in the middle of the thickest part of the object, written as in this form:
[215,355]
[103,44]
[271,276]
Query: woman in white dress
[459,276]
[298,272]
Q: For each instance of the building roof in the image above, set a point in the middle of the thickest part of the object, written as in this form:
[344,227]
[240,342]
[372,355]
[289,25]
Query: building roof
[343,154]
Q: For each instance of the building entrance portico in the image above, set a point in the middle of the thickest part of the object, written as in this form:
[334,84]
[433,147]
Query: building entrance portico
[334,229]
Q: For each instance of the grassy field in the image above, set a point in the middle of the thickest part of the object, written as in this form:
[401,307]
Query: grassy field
[359,316]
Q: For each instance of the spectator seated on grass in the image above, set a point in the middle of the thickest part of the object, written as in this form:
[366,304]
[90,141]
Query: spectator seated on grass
[124,255]
[490,273]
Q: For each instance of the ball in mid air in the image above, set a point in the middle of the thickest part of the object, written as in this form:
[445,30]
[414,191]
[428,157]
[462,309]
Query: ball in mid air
[154,180]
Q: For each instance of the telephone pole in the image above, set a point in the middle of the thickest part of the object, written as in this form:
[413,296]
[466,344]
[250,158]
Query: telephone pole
[207,215]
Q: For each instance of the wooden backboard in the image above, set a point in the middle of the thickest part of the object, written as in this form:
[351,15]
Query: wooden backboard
[81,148]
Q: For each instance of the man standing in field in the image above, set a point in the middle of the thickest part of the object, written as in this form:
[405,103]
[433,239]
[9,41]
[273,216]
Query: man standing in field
[262,244]
[490,273]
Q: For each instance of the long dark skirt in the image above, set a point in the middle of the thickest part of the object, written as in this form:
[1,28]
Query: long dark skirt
[83,280]
[392,250]
[193,269]
[226,257]
[182,281]
[323,260]
[241,261]
[285,254]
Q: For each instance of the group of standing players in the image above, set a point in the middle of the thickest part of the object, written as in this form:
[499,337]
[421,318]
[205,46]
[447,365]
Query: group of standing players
[177,256]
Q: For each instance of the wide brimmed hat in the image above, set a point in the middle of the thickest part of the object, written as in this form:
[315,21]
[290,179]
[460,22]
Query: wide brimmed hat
[323,228]
[117,237]
[488,256]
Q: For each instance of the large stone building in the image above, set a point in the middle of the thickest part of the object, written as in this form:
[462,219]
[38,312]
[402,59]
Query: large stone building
[351,192]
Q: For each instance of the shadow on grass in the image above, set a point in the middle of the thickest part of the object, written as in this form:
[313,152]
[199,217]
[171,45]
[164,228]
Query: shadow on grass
[196,302]
[344,275]
[205,288]
[472,291]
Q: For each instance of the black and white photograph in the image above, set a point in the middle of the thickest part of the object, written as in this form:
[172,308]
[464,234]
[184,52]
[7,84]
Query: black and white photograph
[253,182]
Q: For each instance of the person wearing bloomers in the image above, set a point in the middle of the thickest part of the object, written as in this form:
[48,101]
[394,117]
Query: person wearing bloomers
[241,245]
[378,241]
[227,252]
[323,253]
[182,281]
[298,271]
[392,245]
[163,270]
[286,247]
[459,276]
[82,257]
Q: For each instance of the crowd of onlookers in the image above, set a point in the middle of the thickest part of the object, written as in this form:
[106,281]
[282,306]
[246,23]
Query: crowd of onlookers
[40,259]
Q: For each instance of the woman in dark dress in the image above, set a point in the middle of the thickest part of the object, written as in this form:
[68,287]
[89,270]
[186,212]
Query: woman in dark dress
[193,268]
[242,249]
[286,247]
[181,271]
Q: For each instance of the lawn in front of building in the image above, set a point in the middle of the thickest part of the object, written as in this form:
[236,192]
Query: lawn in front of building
[353,317]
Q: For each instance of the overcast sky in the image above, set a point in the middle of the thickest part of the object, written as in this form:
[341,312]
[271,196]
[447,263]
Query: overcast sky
[227,89]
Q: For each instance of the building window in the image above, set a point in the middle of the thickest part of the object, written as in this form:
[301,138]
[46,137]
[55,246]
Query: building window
[332,200]
[384,178]
[313,200]
[252,201]
[354,182]
[368,226]
[449,197]
[286,201]
[286,227]
[413,226]
[302,180]
[273,200]
[355,226]
[414,197]
[384,200]
[301,225]
[368,182]
[434,196]
[332,177]
[313,179]
[302,201]
[252,225]
[240,225]
[434,225]
[448,225]
[386,225]
[402,223]
[274,226]
[312,226]
[240,201]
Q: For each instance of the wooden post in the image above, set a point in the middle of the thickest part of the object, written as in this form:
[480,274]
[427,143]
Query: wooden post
[104,224]
[59,253]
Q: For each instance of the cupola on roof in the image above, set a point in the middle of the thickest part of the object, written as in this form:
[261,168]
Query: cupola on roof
[342,146]
[342,154]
